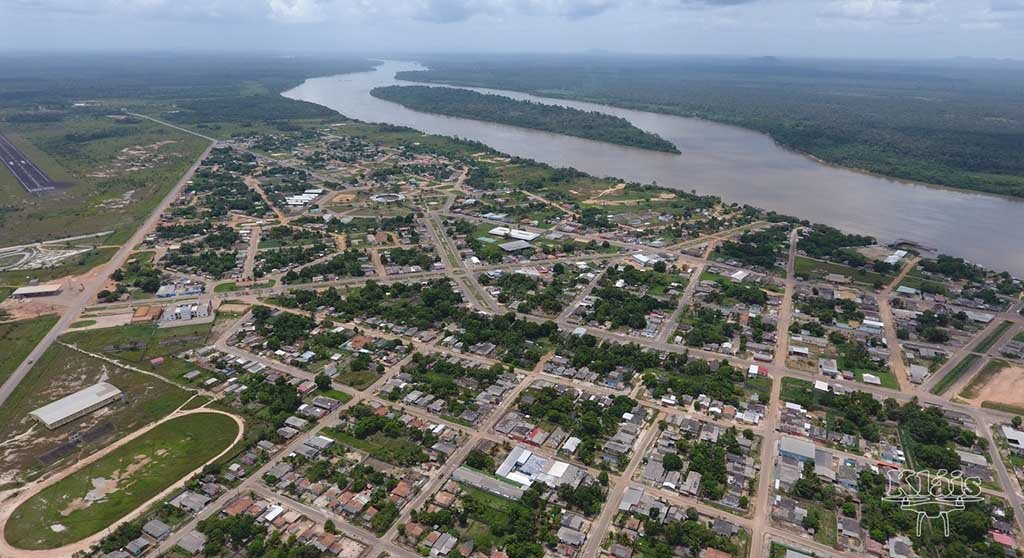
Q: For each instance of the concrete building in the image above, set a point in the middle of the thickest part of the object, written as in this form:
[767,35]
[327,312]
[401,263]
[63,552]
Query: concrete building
[76,405]
[187,312]
[797,448]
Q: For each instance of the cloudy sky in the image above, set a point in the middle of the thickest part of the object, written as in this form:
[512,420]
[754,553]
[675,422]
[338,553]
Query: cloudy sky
[828,28]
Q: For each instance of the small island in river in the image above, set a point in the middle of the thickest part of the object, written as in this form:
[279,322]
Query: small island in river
[464,103]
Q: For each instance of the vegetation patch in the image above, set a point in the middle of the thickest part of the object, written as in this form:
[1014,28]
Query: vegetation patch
[18,339]
[991,338]
[96,496]
[951,377]
[463,103]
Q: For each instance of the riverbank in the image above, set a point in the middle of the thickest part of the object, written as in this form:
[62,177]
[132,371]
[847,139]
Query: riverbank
[735,164]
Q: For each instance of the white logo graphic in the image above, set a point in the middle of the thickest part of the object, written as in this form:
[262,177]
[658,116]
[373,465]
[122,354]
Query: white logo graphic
[932,494]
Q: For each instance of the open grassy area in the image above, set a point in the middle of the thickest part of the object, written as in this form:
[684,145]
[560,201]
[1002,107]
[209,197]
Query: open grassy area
[18,339]
[75,265]
[359,379]
[1004,407]
[807,267]
[887,378]
[991,338]
[133,474]
[979,380]
[337,394]
[955,374]
[231,287]
[60,372]
[827,532]
[89,152]
[5,292]
[139,344]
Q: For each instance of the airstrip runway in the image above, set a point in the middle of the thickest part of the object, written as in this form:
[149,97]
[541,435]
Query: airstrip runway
[31,177]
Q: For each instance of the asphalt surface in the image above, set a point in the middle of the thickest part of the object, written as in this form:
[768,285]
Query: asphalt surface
[31,177]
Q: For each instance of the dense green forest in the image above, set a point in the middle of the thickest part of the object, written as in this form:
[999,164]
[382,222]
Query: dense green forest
[197,88]
[526,114]
[954,123]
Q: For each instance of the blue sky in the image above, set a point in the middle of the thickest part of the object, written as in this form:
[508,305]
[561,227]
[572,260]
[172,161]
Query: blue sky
[826,28]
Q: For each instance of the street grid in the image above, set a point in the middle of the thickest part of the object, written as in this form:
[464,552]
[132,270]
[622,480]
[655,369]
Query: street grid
[757,521]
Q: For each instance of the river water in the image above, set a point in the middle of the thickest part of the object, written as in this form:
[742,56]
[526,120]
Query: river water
[738,165]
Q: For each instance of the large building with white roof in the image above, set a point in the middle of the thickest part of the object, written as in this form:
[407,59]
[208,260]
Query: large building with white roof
[76,405]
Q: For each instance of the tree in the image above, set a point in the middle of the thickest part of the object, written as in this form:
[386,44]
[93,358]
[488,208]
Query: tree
[329,527]
[1016,421]
[323,382]
[672,462]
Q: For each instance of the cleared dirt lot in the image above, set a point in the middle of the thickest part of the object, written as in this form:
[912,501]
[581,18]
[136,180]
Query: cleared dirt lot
[999,382]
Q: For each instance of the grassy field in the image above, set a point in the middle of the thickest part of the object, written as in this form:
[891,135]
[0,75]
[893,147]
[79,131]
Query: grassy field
[991,339]
[887,378]
[818,269]
[140,470]
[231,287]
[73,266]
[60,372]
[359,379]
[1004,407]
[91,153]
[955,374]
[138,344]
[18,339]
[981,378]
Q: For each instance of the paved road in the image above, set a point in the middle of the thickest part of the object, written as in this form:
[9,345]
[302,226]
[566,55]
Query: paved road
[31,177]
[93,286]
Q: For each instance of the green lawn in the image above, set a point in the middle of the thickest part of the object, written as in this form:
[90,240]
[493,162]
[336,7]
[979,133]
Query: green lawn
[138,344]
[232,286]
[981,378]
[18,339]
[955,374]
[337,394]
[887,378]
[991,339]
[359,379]
[818,269]
[143,468]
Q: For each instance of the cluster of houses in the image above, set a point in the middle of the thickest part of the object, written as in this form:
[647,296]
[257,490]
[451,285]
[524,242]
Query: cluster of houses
[448,439]
[740,468]
[637,502]
[356,506]
[435,543]
[524,429]
[562,366]
[289,522]
[796,420]
[154,532]
[617,449]
[404,387]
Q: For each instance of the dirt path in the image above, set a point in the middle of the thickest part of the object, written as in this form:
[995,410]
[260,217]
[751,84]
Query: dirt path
[13,499]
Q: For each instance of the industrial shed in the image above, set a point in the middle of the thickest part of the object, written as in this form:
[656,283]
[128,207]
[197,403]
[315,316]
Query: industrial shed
[76,405]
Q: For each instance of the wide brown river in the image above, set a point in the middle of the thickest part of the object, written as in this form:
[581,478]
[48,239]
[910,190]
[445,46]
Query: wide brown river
[736,164]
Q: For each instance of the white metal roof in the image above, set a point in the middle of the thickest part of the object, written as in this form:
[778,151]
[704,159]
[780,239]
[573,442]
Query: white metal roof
[76,402]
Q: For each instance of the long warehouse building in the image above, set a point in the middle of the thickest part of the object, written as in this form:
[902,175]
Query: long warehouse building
[77,405]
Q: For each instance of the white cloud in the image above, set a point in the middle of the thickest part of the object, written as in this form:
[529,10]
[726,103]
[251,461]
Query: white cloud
[900,11]
[296,11]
